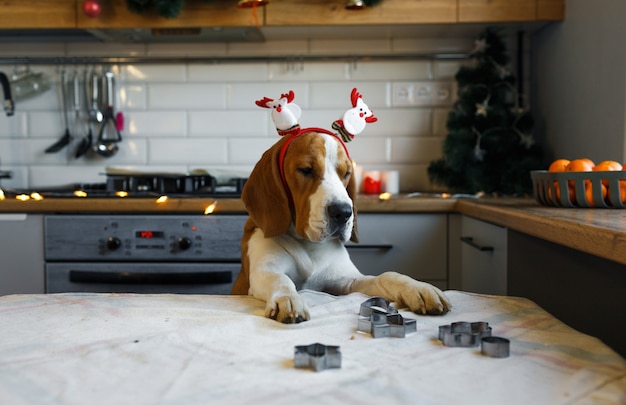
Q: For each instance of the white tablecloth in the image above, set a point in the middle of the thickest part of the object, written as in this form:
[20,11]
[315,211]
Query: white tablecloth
[198,349]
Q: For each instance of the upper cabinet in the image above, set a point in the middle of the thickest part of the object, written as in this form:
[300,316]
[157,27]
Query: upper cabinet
[41,14]
[510,11]
[37,14]
[195,13]
[334,12]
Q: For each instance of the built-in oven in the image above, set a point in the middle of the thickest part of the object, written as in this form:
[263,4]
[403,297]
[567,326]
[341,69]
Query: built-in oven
[198,254]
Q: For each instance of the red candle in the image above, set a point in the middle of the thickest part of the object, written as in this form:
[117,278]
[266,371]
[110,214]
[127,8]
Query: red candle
[372,183]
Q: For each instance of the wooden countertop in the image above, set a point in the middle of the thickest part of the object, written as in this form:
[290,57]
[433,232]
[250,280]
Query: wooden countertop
[601,232]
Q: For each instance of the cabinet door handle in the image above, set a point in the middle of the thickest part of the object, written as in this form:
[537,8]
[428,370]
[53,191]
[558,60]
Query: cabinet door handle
[470,241]
[371,247]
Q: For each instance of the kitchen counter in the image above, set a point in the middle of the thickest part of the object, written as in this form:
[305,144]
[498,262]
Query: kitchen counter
[601,232]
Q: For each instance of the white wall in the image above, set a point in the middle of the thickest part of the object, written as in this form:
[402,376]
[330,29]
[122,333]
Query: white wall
[580,81]
[185,116]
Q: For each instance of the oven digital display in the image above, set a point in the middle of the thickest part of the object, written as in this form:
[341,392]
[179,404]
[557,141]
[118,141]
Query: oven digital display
[149,234]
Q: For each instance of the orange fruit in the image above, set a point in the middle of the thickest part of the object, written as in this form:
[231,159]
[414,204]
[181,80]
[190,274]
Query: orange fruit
[580,165]
[589,194]
[622,192]
[570,189]
[607,166]
[558,165]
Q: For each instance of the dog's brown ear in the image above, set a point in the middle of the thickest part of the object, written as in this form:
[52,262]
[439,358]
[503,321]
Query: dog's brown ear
[352,192]
[264,195]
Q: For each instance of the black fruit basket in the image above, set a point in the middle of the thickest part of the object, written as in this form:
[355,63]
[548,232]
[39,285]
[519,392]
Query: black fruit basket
[601,189]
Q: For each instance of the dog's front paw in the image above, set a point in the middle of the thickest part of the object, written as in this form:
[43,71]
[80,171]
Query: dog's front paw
[424,298]
[287,309]
[420,297]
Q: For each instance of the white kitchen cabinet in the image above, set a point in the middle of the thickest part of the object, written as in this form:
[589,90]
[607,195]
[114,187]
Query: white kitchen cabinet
[480,251]
[412,244]
[21,254]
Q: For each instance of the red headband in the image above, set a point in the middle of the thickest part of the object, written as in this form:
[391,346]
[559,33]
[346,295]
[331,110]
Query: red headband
[283,152]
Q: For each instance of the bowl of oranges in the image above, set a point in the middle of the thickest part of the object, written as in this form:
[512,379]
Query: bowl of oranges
[581,183]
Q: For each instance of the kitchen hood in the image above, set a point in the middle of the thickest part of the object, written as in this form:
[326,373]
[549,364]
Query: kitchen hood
[182,34]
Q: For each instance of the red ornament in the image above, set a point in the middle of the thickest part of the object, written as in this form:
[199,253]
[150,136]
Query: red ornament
[92,8]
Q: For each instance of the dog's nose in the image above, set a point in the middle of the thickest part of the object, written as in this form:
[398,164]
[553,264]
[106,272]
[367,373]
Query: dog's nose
[339,213]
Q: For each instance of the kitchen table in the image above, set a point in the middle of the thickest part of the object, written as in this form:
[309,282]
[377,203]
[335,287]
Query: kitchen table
[187,349]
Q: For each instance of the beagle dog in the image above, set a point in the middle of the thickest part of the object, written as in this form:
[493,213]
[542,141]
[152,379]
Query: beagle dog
[299,198]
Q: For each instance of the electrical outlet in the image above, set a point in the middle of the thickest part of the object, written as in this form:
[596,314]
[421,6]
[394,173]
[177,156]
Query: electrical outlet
[405,94]
[411,94]
[442,93]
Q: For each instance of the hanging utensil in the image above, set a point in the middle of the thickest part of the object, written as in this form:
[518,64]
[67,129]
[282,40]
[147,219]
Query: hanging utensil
[107,147]
[86,142]
[66,138]
[92,87]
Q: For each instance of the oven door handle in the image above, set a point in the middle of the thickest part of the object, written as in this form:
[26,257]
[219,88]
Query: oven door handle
[124,277]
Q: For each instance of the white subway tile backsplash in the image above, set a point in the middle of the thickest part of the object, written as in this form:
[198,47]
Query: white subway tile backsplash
[337,95]
[398,70]
[415,150]
[192,96]
[173,73]
[243,95]
[295,70]
[182,116]
[15,126]
[46,175]
[46,124]
[156,123]
[414,122]
[248,151]
[204,152]
[229,123]
[228,72]
[131,96]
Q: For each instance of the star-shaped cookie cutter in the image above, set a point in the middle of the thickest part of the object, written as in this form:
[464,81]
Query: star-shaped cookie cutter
[379,318]
[317,357]
[463,334]
[377,305]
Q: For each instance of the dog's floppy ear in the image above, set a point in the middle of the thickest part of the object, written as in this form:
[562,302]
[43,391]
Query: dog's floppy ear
[352,191]
[264,195]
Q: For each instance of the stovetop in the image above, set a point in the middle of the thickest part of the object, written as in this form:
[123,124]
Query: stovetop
[145,186]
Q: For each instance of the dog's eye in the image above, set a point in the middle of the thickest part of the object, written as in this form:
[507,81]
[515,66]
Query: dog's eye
[306,171]
[347,175]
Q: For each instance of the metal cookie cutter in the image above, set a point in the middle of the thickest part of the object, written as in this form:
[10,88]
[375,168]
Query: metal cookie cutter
[494,346]
[381,319]
[377,305]
[387,325]
[463,334]
[317,356]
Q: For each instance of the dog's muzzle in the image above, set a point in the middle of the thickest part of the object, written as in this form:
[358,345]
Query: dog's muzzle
[339,215]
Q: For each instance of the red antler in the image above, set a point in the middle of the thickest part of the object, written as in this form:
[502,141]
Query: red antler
[263,102]
[354,96]
[289,96]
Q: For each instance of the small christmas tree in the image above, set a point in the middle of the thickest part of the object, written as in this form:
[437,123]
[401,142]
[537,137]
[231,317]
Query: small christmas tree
[489,146]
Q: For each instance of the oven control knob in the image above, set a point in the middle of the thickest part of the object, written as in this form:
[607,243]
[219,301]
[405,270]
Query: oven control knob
[113,243]
[184,243]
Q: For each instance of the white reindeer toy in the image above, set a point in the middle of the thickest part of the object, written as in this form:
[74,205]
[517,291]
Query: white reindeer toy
[354,120]
[285,114]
